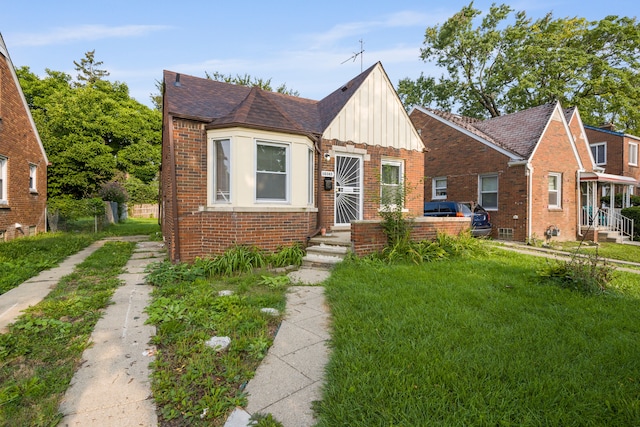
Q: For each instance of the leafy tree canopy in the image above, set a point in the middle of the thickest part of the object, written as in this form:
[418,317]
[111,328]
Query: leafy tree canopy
[91,132]
[248,80]
[506,62]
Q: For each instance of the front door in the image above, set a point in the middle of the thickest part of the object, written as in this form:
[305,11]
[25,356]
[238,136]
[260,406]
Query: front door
[348,189]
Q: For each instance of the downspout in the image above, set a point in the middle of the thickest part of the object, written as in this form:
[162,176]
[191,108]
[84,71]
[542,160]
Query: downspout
[317,144]
[529,173]
[174,190]
[579,203]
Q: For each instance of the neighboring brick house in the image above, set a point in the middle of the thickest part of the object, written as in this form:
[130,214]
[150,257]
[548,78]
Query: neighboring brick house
[616,153]
[242,165]
[532,170]
[23,161]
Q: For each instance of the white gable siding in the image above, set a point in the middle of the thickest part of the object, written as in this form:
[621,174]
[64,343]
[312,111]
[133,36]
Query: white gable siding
[374,115]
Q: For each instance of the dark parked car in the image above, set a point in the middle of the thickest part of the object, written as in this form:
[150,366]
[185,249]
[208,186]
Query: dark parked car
[480,218]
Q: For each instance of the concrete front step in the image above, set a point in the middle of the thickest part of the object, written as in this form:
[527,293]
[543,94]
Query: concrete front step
[612,237]
[325,262]
[328,250]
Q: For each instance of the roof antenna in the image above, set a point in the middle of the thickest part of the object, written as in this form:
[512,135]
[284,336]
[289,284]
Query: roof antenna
[356,54]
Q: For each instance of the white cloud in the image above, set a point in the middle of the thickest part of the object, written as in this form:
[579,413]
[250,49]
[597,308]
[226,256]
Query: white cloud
[84,32]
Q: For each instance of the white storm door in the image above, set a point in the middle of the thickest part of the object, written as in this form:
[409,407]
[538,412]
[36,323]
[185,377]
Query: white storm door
[348,189]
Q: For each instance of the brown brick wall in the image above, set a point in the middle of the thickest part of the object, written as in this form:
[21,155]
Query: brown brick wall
[19,144]
[368,236]
[554,154]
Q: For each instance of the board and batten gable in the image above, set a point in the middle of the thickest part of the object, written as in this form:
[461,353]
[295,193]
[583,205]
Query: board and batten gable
[374,115]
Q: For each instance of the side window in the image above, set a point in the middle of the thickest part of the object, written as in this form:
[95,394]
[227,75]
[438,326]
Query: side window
[633,154]
[221,170]
[599,151]
[33,173]
[272,171]
[555,190]
[439,187]
[310,178]
[391,182]
[488,196]
[3,181]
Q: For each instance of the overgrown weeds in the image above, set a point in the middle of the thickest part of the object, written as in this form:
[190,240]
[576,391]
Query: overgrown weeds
[588,274]
[443,247]
[193,384]
[25,257]
[43,348]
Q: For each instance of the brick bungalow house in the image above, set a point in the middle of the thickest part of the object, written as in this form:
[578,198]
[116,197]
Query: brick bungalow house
[532,170]
[242,165]
[23,161]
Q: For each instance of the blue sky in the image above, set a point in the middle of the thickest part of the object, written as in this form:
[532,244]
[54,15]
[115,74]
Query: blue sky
[306,45]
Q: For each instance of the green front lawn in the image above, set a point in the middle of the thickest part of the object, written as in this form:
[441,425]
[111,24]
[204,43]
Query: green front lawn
[479,342]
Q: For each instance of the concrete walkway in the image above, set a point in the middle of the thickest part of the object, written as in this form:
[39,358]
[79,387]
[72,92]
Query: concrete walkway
[113,385]
[291,376]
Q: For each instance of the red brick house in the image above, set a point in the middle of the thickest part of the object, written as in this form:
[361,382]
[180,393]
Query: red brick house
[532,170]
[23,161]
[242,165]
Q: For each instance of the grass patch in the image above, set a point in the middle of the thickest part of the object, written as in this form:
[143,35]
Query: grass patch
[193,384]
[479,341]
[610,250]
[43,348]
[23,258]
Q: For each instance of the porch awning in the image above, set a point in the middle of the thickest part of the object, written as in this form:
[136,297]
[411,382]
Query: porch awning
[606,177]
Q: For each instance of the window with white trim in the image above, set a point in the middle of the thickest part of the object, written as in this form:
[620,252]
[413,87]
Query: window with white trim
[310,177]
[555,190]
[599,151]
[633,154]
[391,183]
[488,191]
[221,170]
[33,173]
[439,187]
[272,172]
[3,181]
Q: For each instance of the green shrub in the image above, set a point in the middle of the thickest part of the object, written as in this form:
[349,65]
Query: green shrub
[141,193]
[590,274]
[633,213]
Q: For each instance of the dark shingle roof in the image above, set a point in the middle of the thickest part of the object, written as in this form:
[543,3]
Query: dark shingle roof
[223,104]
[517,132]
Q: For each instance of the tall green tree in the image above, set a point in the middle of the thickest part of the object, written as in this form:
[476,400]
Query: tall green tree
[88,71]
[505,61]
[91,133]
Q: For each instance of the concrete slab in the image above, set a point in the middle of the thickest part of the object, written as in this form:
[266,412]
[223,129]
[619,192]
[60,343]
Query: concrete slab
[291,376]
[308,276]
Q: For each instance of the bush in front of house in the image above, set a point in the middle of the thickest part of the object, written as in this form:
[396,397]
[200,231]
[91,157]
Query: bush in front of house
[633,213]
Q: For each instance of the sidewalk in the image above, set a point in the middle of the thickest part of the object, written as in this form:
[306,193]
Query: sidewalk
[113,385]
[554,253]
